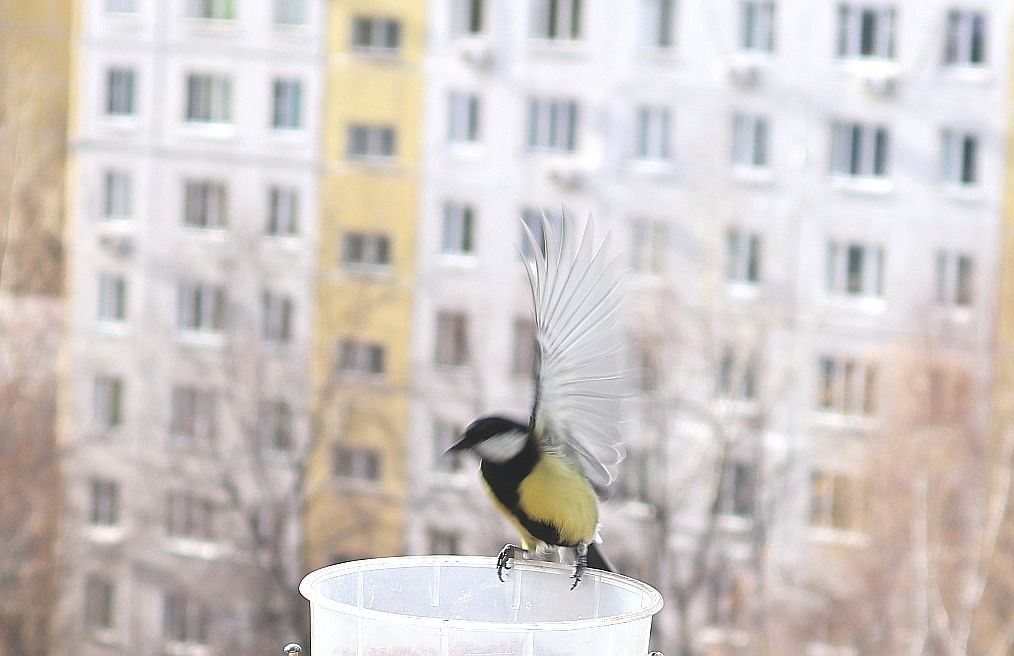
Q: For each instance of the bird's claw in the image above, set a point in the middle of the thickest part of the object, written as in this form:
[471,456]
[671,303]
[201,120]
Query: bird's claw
[580,565]
[506,554]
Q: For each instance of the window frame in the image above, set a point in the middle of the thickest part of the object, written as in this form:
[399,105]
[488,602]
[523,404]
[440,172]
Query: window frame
[557,21]
[457,237]
[653,134]
[855,269]
[854,41]
[553,125]
[452,343]
[383,35]
[121,92]
[208,98]
[287,104]
[757,25]
[964,28]
[464,118]
[283,211]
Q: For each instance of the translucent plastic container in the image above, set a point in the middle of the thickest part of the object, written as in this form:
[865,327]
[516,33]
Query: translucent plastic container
[456,606]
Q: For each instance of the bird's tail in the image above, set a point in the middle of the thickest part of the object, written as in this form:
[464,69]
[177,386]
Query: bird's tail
[597,559]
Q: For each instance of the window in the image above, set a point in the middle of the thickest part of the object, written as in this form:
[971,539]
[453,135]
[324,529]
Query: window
[283,212]
[446,433]
[117,195]
[357,463]
[366,249]
[214,9]
[376,35]
[107,402]
[287,110]
[200,307]
[737,490]
[736,376]
[99,595]
[749,141]
[757,25]
[525,349]
[459,229]
[743,256]
[185,620]
[865,31]
[105,503]
[112,298]
[451,347]
[960,158]
[444,542]
[193,414]
[649,246]
[371,142]
[277,425]
[658,24]
[835,502]
[190,517]
[653,134]
[205,204]
[121,6]
[855,269]
[557,20]
[468,17]
[462,118]
[276,312]
[120,92]
[966,38]
[290,12]
[209,98]
[847,385]
[356,357]
[955,282]
[532,219]
[552,124]
[859,150]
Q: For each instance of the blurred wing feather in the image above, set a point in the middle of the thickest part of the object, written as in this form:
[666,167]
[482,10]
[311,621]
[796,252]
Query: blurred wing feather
[576,293]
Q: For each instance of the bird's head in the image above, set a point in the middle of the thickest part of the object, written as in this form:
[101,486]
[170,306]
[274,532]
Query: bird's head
[493,438]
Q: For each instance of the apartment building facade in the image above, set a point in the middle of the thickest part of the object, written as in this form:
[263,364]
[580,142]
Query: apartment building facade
[193,193]
[365,261]
[809,195]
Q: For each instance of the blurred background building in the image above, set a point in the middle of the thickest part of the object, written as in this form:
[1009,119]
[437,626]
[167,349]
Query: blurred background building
[291,270]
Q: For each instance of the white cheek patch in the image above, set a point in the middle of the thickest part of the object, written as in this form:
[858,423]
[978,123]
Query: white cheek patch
[503,447]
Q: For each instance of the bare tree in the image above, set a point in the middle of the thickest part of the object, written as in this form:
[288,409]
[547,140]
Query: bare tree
[29,475]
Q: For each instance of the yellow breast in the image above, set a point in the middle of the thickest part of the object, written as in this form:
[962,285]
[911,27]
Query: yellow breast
[558,494]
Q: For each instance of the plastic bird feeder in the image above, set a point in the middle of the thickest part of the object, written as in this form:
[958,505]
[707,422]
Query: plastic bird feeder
[456,606]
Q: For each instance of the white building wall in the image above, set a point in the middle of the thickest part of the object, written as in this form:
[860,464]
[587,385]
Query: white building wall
[154,250]
[796,206]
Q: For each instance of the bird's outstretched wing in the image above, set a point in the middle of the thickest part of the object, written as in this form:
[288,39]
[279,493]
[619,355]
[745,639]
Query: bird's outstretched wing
[575,286]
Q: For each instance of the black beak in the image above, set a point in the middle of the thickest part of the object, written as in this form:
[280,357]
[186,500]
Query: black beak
[462,444]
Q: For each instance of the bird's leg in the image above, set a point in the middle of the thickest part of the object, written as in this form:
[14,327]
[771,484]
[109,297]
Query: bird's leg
[507,553]
[580,563]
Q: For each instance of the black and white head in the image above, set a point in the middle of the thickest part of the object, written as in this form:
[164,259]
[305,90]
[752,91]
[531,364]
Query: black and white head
[495,439]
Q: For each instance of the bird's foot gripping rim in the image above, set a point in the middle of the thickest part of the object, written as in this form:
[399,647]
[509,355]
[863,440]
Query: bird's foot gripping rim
[506,554]
[580,564]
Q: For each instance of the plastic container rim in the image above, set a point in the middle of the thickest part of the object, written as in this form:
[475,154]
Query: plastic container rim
[308,590]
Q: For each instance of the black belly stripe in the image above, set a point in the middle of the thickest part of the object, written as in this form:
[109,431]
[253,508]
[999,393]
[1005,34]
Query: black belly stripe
[505,478]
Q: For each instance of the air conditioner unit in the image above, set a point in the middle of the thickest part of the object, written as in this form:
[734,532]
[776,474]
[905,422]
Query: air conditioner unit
[881,84]
[117,245]
[567,178]
[477,54]
[743,72]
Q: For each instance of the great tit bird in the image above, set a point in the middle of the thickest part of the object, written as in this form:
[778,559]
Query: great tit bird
[544,476]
